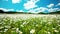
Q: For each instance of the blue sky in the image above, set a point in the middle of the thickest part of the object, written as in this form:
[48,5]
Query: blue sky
[33,6]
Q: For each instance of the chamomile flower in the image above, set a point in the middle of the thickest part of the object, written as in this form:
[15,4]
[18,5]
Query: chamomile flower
[36,25]
[53,28]
[17,30]
[32,31]
[22,25]
[20,32]
[5,30]
[48,32]
[56,31]
[1,27]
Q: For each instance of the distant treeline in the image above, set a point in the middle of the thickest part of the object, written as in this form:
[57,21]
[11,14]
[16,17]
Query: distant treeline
[13,12]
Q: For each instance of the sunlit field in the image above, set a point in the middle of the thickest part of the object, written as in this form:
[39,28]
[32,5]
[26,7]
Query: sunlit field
[29,24]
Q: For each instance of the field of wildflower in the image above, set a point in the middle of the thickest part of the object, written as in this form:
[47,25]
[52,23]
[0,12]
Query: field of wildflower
[37,25]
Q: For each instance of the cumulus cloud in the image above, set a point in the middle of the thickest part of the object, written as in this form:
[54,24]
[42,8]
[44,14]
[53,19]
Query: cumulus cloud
[6,10]
[58,4]
[41,9]
[58,9]
[53,9]
[19,10]
[50,9]
[44,9]
[30,4]
[32,11]
[16,1]
[34,1]
[38,10]
[50,5]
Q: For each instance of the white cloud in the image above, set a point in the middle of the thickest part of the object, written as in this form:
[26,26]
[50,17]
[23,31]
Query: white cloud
[57,9]
[42,9]
[58,4]
[37,10]
[32,11]
[50,5]
[6,10]
[53,9]
[11,9]
[30,4]
[16,1]
[19,10]
[34,1]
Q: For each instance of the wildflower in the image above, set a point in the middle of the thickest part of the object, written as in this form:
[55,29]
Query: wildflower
[32,31]
[20,32]
[5,19]
[1,27]
[56,30]
[1,31]
[37,25]
[58,25]
[13,28]
[48,32]
[7,26]
[21,25]
[10,21]
[5,30]
[58,21]
[53,28]
[49,23]
[12,31]
[17,29]
[24,23]
[0,23]
[44,20]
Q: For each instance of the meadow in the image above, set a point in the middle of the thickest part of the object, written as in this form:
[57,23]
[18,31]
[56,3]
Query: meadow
[29,24]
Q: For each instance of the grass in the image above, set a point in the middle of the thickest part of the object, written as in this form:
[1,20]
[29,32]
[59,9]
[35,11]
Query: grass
[36,25]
